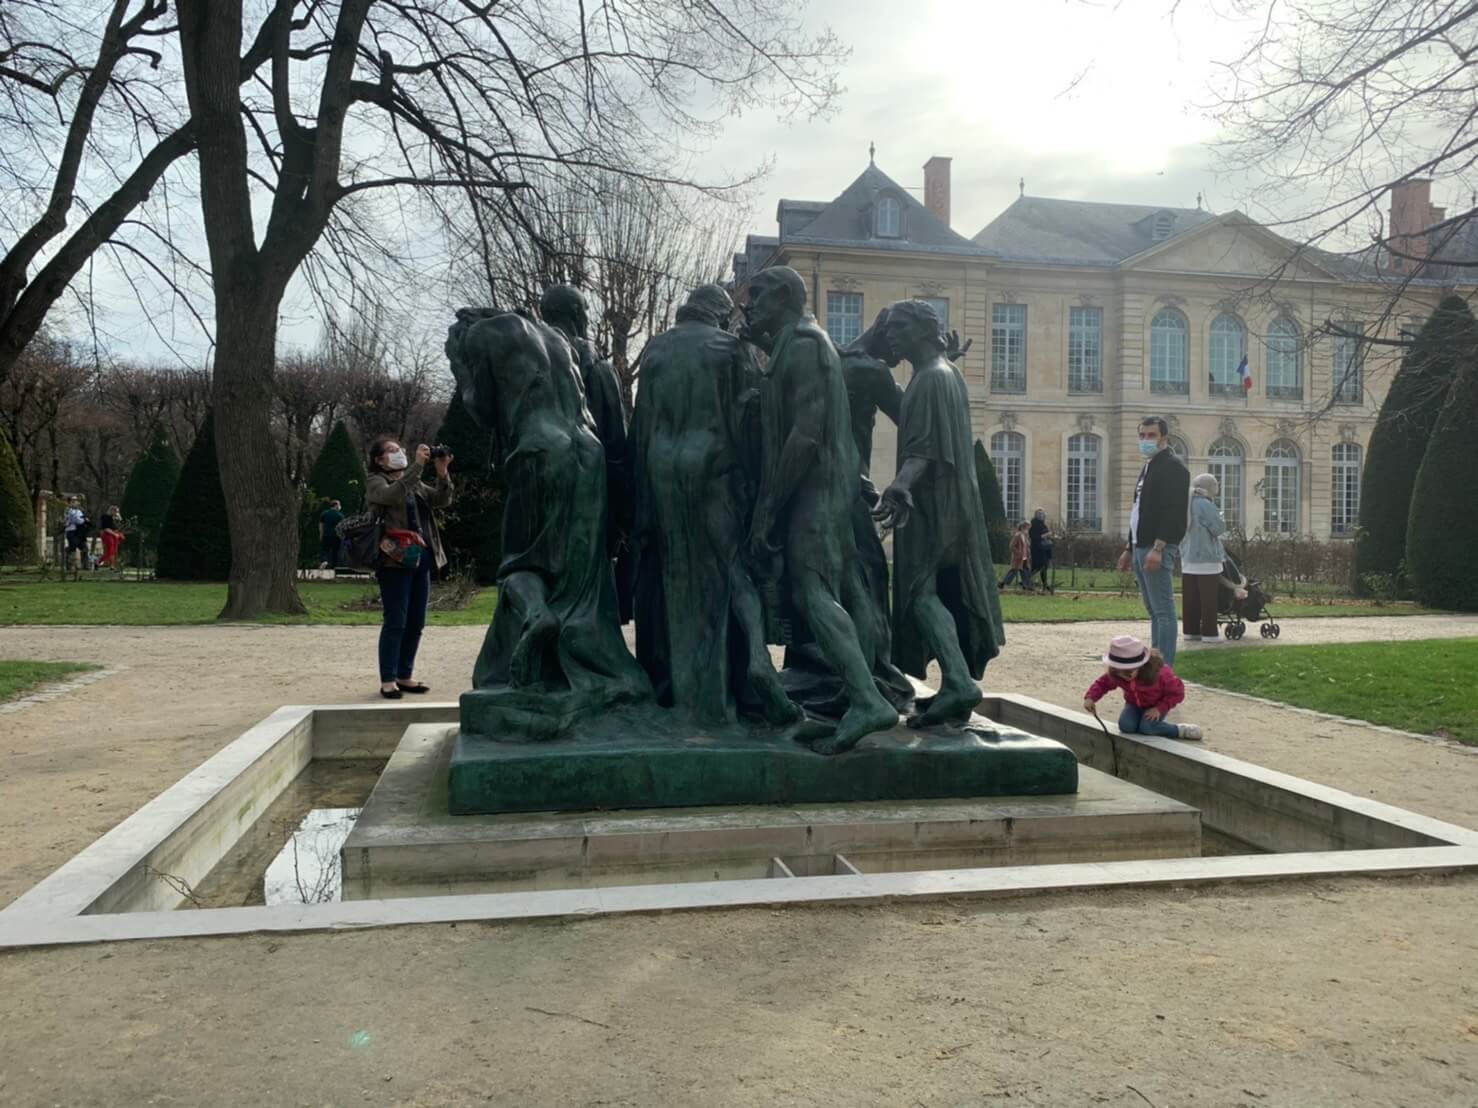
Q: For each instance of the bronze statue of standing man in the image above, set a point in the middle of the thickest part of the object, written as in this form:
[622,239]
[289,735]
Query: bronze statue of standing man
[809,482]
[563,307]
[945,604]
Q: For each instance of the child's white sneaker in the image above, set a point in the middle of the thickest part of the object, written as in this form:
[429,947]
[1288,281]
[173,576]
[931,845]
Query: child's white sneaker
[1190,732]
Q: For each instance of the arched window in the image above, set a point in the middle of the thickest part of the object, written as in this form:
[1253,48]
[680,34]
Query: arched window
[1285,360]
[1008,455]
[1228,348]
[1346,513]
[1083,483]
[1280,489]
[1179,448]
[1225,464]
[1169,346]
[890,217]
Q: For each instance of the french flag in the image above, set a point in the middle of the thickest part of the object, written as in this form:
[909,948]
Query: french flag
[1246,374]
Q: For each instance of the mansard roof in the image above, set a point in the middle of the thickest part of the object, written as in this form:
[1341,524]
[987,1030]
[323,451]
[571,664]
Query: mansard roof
[1082,232]
[848,220]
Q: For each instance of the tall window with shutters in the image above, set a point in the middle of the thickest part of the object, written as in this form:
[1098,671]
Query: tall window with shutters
[1169,352]
[1008,455]
[1083,480]
[1346,473]
[1085,349]
[1225,464]
[1280,489]
[844,317]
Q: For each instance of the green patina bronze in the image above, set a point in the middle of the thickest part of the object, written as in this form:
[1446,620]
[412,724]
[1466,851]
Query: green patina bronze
[619,761]
[752,524]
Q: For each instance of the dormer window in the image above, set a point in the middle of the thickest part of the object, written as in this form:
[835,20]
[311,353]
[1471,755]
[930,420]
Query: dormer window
[1164,226]
[889,218]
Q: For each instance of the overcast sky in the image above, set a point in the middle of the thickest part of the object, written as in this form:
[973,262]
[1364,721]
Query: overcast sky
[1081,98]
[990,83]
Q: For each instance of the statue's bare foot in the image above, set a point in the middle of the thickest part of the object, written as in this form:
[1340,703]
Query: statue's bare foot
[523,665]
[952,704]
[777,708]
[808,729]
[873,714]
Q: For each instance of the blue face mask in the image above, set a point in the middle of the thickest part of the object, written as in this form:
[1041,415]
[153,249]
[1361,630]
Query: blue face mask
[1148,449]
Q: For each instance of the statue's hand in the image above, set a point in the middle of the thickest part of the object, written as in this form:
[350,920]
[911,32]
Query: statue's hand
[894,509]
[953,350]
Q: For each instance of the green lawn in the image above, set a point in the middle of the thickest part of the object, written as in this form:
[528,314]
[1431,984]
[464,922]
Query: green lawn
[26,600]
[1425,686]
[168,602]
[21,677]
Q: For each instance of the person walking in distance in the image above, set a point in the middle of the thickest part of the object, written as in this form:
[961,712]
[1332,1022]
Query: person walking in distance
[1202,557]
[412,548]
[112,536]
[328,535]
[1041,537]
[1021,559]
[75,526]
[1157,523]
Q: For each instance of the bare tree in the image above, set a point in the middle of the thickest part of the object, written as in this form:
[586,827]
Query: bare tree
[1349,116]
[366,97]
[634,247]
[90,126]
[33,402]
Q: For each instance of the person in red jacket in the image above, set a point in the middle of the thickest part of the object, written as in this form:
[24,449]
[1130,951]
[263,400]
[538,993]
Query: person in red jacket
[1151,690]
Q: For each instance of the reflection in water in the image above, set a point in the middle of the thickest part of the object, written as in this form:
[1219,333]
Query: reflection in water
[332,790]
[308,870]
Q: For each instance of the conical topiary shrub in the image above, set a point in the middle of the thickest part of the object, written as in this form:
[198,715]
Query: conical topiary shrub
[146,494]
[1442,529]
[1399,440]
[17,512]
[195,541]
[338,474]
[472,528]
[991,503]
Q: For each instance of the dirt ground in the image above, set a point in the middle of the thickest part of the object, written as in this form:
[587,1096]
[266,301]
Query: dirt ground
[1349,992]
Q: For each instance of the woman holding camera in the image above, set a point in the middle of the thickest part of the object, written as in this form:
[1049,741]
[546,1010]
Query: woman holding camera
[410,550]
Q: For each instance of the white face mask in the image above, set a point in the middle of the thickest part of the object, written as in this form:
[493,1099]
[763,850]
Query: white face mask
[396,460]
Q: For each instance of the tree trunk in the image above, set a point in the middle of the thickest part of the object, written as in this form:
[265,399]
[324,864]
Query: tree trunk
[259,498]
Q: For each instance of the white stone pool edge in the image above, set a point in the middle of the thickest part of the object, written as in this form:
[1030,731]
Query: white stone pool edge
[124,886]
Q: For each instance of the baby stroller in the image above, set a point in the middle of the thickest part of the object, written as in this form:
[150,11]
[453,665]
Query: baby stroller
[1239,599]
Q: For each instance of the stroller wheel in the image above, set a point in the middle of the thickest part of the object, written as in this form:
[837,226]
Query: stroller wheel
[1276,630]
[1266,631]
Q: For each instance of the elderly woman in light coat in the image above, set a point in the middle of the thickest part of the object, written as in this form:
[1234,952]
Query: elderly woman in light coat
[1202,555]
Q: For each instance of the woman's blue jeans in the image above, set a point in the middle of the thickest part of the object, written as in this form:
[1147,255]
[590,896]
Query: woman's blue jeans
[403,597]
[1132,722]
[1157,587]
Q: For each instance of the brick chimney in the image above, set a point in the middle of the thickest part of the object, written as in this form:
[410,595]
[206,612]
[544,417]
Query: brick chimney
[936,187]
[1411,214]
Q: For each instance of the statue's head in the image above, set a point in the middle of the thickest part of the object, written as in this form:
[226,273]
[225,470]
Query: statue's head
[709,304]
[564,307]
[912,329]
[776,296]
[874,341]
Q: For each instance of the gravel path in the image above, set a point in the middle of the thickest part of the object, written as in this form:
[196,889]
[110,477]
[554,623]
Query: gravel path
[1353,992]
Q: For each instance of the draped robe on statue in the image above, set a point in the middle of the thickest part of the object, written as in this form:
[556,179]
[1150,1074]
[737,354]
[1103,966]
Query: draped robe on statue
[944,540]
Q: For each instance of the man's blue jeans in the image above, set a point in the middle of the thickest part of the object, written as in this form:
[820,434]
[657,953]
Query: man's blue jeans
[1132,722]
[1157,587]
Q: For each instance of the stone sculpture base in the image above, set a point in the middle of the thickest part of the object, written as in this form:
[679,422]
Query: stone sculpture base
[626,759]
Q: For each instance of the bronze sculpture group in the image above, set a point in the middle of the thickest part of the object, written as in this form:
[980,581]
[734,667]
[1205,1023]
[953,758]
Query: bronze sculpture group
[734,512]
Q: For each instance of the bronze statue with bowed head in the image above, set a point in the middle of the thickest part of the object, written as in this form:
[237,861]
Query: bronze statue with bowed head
[809,482]
[945,604]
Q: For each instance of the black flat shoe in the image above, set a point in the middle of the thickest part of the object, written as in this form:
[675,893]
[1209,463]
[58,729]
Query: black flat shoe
[392,694]
[418,687]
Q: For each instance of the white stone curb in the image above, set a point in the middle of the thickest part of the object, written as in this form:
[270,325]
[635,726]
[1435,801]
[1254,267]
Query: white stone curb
[58,690]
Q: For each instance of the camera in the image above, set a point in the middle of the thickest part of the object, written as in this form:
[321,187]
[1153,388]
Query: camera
[440,452]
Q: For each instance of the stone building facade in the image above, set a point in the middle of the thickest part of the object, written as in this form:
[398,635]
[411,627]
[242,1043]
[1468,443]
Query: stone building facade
[1087,317]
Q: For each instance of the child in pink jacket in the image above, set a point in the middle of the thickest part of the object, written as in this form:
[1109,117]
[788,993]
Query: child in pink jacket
[1150,690]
